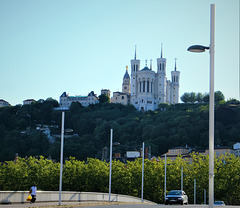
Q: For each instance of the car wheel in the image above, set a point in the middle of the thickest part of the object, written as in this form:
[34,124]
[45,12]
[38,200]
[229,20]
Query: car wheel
[166,203]
[182,203]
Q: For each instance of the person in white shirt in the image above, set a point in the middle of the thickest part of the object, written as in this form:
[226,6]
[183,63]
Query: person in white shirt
[33,191]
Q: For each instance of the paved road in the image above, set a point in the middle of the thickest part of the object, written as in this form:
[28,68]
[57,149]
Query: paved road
[155,206]
[102,205]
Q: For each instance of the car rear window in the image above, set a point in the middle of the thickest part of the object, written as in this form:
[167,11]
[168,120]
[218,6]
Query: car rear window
[175,193]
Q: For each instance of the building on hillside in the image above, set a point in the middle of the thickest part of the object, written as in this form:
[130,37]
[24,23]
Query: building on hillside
[28,101]
[146,89]
[124,96]
[150,88]
[66,100]
[4,103]
[175,152]
[106,92]
[185,152]
[220,150]
[119,97]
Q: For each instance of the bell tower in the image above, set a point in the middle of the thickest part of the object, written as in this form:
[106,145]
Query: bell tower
[161,79]
[135,66]
[175,84]
[126,85]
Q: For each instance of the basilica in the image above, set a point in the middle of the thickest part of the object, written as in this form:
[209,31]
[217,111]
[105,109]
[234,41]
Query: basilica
[146,89]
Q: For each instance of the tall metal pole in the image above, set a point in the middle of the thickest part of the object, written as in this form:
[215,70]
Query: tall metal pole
[205,196]
[165,177]
[211,108]
[61,157]
[142,170]
[194,191]
[181,178]
[110,168]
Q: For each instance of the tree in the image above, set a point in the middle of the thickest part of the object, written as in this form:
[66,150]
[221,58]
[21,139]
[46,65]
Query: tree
[218,96]
[185,97]
[188,97]
[192,97]
[199,97]
[75,106]
[103,98]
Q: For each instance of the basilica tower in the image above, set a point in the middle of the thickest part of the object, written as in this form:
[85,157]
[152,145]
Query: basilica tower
[126,85]
[175,85]
[135,66]
[161,79]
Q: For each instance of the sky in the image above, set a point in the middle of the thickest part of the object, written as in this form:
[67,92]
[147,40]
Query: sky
[48,47]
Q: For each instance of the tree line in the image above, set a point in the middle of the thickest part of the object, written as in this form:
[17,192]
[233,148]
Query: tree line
[92,175]
[193,97]
[167,127]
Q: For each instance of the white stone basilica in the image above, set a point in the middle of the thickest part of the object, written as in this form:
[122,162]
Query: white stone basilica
[147,88]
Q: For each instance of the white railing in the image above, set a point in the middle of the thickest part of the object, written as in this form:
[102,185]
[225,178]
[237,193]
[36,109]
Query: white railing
[7,197]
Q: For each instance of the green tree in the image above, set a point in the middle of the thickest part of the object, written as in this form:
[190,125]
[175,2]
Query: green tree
[103,98]
[185,97]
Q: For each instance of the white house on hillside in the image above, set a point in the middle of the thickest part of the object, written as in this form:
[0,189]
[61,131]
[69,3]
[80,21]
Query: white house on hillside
[66,100]
[3,103]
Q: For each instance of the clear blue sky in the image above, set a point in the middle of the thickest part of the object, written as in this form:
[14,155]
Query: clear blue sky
[51,46]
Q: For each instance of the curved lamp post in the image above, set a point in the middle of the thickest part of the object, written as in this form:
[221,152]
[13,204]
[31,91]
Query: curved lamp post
[199,48]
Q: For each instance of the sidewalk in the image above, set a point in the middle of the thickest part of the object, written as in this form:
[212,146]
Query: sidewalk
[63,204]
[55,204]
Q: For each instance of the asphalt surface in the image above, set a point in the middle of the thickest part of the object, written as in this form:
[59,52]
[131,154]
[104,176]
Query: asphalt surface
[102,205]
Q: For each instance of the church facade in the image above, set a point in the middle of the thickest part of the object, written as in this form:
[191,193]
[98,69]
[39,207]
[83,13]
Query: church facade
[147,88]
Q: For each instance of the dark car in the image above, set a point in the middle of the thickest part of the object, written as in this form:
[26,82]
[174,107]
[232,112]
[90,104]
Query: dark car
[176,197]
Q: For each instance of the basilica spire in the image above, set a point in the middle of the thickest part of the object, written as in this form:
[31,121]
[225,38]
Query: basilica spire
[161,50]
[135,57]
[175,64]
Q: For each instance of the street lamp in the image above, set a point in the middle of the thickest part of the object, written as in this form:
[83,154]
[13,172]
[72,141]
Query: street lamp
[199,48]
[63,109]
[110,168]
[165,178]
[142,171]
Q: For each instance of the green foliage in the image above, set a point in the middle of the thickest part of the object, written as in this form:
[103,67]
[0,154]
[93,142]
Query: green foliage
[93,176]
[103,98]
[192,97]
[182,124]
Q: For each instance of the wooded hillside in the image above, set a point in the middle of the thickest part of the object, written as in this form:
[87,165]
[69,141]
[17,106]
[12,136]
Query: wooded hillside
[169,126]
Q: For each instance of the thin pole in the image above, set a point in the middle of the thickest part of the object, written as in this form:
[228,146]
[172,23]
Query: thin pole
[165,177]
[204,196]
[182,178]
[194,191]
[61,157]
[211,109]
[110,168]
[142,170]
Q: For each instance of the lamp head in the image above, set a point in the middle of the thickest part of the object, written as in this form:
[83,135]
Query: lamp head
[68,130]
[197,48]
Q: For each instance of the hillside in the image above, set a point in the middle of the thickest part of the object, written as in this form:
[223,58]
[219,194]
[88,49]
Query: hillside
[169,126]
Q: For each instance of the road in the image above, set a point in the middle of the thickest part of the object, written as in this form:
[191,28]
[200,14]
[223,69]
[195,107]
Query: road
[102,205]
